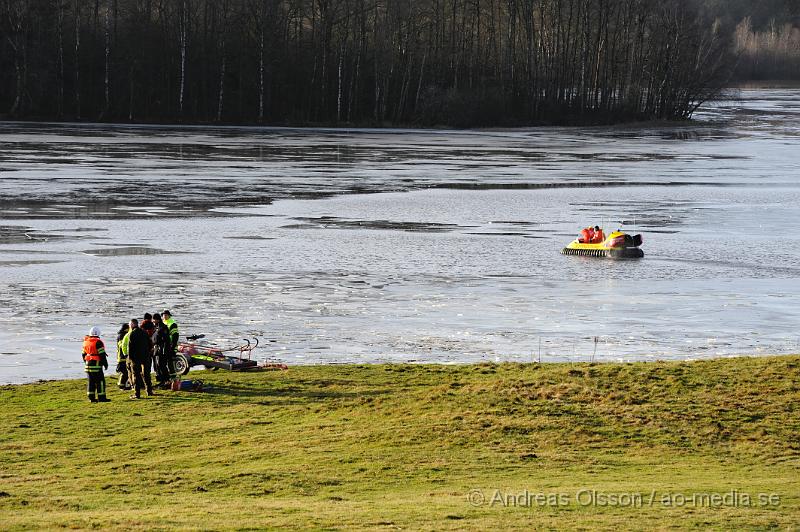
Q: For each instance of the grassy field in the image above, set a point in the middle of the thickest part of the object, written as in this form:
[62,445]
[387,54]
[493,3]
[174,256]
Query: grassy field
[420,447]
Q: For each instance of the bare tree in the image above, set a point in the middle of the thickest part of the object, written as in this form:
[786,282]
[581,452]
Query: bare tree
[16,18]
[183,32]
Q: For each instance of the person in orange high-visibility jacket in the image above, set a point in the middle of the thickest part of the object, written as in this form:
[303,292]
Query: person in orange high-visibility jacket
[94,359]
[598,237]
[586,235]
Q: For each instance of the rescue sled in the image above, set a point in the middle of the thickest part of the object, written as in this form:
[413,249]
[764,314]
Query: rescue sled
[618,245]
[193,353]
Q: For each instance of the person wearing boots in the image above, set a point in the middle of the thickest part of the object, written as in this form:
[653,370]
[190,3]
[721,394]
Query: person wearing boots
[174,336]
[162,351]
[136,345]
[122,359]
[94,359]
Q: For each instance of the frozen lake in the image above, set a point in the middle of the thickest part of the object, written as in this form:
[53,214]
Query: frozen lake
[405,245]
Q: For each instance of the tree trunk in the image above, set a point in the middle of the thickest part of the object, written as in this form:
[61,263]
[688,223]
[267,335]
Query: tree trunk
[183,29]
[77,60]
[131,89]
[107,90]
[261,63]
[224,63]
[339,87]
[60,58]
[220,99]
[419,83]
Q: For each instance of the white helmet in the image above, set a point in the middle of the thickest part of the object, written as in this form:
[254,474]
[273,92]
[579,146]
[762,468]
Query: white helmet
[94,331]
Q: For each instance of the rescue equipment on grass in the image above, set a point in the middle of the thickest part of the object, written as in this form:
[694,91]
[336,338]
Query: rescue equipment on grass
[193,353]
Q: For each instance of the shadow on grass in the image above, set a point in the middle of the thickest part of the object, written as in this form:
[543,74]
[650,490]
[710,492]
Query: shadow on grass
[282,395]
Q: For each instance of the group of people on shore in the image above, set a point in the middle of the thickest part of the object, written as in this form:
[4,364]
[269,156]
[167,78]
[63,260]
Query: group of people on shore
[141,347]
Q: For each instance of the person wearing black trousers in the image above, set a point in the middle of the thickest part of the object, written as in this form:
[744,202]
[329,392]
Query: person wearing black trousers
[162,352]
[122,359]
[174,335]
[138,348]
[95,360]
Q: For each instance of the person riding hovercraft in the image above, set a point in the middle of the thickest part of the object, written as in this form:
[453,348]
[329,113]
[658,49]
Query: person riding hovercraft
[592,235]
[593,242]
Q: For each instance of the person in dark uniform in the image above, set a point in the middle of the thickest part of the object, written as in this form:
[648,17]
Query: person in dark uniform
[174,335]
[94,359]
[147,326]
[136,345]
[162,351]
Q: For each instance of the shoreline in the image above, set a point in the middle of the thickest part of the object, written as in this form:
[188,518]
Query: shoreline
[521,364]
[401,127]
[352,128]
[768,84]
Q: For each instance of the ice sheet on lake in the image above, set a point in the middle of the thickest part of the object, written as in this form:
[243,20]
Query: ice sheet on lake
[451,257]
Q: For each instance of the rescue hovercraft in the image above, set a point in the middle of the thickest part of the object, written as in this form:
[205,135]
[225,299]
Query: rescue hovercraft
[618,245]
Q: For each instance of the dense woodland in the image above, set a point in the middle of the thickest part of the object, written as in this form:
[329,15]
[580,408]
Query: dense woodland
[423,62]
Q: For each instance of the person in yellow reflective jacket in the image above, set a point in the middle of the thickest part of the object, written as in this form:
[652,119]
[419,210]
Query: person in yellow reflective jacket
[94,359]
[122,359]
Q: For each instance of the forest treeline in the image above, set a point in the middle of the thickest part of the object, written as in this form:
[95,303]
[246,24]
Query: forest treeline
[772,53]
[766,40]
[424,62]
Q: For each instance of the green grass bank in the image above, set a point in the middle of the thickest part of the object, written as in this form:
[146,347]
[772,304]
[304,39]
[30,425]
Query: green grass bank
[492,446]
